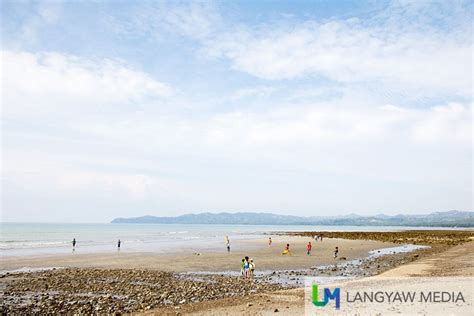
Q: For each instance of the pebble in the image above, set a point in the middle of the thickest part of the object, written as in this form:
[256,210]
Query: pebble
[112,291]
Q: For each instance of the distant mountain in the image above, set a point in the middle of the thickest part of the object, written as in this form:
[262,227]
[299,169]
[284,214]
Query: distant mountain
[440,219]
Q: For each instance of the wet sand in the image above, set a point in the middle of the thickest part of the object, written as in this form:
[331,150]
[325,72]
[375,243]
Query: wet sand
[265,257]
[118,283]
[456,261]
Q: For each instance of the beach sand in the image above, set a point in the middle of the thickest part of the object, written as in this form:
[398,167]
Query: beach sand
[441,260]
[265,257]
[454,262]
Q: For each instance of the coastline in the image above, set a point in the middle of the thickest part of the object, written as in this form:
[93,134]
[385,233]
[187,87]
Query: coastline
[143,268]
[291,301]
[214,259]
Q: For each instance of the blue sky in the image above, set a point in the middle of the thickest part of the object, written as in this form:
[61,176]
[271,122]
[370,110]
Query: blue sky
[123,108]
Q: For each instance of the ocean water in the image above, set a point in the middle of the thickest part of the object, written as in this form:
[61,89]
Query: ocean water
[26,239]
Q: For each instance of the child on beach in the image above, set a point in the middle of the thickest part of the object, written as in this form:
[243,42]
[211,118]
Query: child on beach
[242,268]
[286,251]
[336,251]
[246,267]
[269,241]
[251,268]
[308,248]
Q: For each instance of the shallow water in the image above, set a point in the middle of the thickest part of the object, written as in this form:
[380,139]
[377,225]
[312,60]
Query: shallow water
[393,250]
[296,277]
[28,270]
[42,239]
[286,278]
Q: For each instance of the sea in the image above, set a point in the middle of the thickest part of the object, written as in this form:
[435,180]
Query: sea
[31,239]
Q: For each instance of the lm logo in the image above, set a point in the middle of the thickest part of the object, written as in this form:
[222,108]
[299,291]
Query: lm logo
[335,295]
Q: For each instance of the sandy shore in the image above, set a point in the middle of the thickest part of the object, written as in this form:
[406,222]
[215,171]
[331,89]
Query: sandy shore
[265,257]
[457,261]
[148,283]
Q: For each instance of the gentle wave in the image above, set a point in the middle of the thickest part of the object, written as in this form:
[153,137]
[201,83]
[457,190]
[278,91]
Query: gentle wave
[30,244]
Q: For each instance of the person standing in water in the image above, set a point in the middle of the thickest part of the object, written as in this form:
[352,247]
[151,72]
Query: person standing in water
[308,248]
[74,243]
[118,244]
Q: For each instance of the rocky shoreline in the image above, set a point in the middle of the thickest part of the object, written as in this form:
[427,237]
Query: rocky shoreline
[416,237]
[341,268]
[353,269]
[99,291]
[118,291]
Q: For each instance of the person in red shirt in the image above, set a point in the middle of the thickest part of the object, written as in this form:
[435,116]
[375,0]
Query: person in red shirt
[308,248]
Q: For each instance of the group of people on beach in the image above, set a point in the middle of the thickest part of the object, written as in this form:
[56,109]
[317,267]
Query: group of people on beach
[248,268]
[309,247]
[286,251]
[247,264]
[318,236]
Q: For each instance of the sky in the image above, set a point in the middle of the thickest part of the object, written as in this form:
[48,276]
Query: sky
[127,108]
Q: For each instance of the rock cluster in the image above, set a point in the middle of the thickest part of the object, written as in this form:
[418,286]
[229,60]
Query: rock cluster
[357,268]
[426,237]
[99,291]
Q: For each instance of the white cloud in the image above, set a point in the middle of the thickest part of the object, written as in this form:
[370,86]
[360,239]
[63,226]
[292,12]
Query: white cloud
[45,13]
[93,130]
[245,160]
[44,169]
[135,186]
[449,124]
[197,20]
[397,53]
[41,81]
[257,92]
